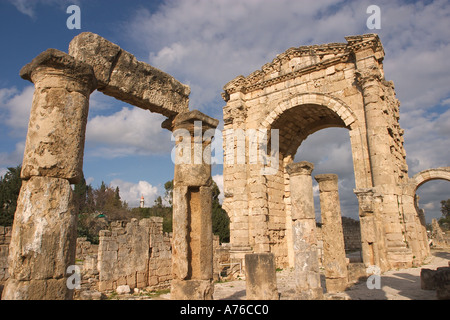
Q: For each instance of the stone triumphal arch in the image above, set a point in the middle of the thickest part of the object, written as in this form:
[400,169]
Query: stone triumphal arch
[301,91]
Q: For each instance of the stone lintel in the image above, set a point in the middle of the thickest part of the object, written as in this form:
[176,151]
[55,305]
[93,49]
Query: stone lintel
[125,78]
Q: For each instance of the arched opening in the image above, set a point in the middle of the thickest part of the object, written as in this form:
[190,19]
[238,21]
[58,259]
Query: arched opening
[428,198]
[330,152]
[431,194]
[295,124]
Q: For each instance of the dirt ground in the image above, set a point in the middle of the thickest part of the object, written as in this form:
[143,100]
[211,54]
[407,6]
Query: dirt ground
[402,284]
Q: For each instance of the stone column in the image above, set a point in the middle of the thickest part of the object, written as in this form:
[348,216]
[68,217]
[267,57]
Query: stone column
[43,239]
[235,176]
[306,260]
[192,246]
[260,276]
[383,164]
[335,262]
[370,219]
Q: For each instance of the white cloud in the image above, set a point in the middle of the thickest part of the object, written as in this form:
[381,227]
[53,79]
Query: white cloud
[15,109]
[427,139]
[13,158]
[218,179]
[130,131]
[132,192]
[208,43]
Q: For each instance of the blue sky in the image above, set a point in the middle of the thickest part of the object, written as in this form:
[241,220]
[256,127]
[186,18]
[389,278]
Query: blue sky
[205,44]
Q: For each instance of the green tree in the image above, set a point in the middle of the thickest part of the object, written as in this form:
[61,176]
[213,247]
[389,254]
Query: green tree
[444,221]
[168,195]
[80,195]
[445,208]
[220,219]
[10,185]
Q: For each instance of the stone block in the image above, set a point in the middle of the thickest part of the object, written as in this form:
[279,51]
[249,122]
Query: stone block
[260,276]
[192,289]
[123,289]
[427,279]
[442,278]
[56,130]
[44,232]
[125,78]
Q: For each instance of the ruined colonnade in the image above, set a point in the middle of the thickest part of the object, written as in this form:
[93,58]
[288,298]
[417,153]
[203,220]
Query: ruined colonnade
[301,91]
[43,241]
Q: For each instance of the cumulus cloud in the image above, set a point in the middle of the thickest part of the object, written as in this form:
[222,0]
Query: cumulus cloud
[132,192]
[14,157]
[130,131]
[208,43]
[15,109]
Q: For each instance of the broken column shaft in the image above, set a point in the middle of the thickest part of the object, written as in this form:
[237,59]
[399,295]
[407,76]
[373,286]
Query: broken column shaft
[192,247]
[306,261]
[44,231]
[335,263]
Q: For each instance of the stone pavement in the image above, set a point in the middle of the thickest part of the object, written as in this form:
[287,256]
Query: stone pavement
[401,284]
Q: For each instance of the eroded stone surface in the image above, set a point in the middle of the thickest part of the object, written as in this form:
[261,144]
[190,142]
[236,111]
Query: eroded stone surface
[123,77]
[57,126]
[43,241]
[260,277]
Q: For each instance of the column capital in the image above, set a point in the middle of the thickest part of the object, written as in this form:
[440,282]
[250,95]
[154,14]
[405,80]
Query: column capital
[300,168]
[327,182]
[186,120]
[49,62]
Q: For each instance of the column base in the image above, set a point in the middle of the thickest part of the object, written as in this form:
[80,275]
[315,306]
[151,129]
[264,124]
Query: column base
[310,294]
[192,289]
[335,285]
[49,289]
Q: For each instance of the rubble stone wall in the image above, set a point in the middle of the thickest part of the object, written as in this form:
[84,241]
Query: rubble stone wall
[136,254]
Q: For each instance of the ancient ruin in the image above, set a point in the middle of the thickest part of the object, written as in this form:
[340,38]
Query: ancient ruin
[301,91]
[268,197]
[43,240]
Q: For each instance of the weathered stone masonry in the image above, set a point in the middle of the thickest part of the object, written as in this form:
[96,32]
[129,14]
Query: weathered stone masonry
[304,90]
[43,241]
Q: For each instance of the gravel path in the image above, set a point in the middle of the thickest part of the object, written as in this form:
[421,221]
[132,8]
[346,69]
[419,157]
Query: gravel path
[402,284]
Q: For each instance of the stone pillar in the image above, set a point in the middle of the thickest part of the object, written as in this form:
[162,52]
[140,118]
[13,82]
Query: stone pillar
[370,219]
[43,242]
[306,260]
[335,262]
[383,163]
[260,276]
[236,175]
[192,246]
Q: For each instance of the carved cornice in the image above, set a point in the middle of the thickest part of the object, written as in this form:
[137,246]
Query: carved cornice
[367,75]
[344,52]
